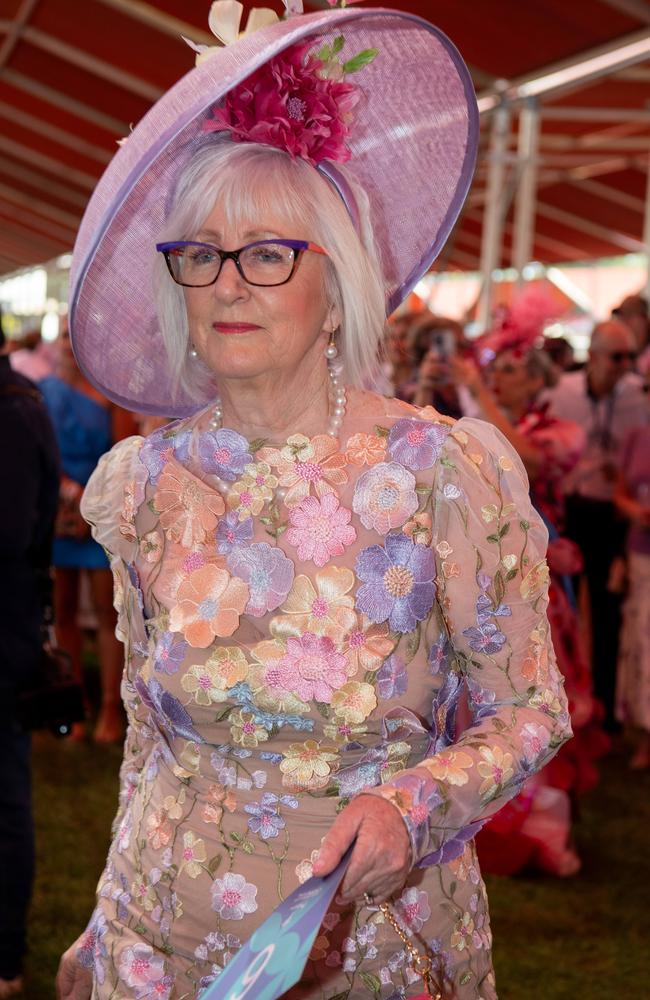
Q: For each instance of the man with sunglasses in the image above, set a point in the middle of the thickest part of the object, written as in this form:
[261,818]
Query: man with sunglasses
[605,398]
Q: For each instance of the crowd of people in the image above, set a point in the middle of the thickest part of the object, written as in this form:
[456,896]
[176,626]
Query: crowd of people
[581,431]
[354,626]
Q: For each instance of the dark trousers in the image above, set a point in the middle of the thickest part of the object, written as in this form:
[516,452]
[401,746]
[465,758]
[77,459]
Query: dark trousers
[16,847]
[600,534]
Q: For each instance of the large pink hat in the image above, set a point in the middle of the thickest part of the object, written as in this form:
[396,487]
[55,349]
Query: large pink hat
[412,149]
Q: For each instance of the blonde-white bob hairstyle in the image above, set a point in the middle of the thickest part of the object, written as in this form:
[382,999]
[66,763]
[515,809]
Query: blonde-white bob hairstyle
[249,180]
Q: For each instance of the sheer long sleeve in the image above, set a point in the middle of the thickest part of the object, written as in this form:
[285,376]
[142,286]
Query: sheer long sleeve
[492,584]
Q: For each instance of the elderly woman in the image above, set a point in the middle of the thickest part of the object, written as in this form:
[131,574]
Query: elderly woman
[307,574]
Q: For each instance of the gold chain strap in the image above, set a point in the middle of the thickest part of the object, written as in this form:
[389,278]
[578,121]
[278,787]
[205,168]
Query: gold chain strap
[420,963]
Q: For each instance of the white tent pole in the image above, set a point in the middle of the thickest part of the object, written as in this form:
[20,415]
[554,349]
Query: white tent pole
[494,209]
[522,248]
[573,73]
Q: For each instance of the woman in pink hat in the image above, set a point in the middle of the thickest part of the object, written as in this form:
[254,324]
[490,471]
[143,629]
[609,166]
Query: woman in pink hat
[307,575]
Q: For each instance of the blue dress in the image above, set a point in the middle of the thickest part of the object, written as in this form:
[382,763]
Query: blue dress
[83,431]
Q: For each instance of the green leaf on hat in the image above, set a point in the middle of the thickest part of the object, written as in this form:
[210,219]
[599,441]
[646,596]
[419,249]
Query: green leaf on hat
[359,61]
[338,44]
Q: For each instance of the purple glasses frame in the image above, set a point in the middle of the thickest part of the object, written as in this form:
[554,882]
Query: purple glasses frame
[298,246]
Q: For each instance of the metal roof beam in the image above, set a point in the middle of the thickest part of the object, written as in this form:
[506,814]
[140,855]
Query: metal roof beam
[558,112]
[16,236]
[581,225]
[43,183]
[65,102]
[621,198]
[91,64]
[64,138]
[45,230]
[47,163]
[39,208]
[16,31]
[574,73]
[633,8]
[153,18]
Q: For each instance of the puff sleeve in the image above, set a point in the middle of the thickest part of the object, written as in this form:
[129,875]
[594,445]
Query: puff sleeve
[110,500]
[492,593]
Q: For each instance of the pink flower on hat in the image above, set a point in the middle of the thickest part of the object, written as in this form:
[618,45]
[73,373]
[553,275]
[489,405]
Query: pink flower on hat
[287,103]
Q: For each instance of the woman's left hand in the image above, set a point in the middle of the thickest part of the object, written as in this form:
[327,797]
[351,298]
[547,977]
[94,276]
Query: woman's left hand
[381,858]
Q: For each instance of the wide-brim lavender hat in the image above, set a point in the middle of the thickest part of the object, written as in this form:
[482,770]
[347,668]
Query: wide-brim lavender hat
[413,150]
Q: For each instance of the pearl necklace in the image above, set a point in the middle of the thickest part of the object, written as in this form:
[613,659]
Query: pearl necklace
[337,399]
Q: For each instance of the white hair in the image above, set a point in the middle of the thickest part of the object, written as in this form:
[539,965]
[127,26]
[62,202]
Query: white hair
[249,180]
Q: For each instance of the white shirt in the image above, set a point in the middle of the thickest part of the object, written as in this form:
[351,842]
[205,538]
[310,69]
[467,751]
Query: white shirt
[606,422]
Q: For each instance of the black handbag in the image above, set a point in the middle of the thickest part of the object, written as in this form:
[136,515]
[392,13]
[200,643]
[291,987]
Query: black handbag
[54,699]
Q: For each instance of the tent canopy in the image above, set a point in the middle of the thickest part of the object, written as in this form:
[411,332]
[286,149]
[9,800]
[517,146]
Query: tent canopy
[75,74]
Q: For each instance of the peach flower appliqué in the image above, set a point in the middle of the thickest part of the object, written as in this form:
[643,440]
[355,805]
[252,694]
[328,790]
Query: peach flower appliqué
[304,465]
[210,602]
[324,609]
[365,449]
[188,509]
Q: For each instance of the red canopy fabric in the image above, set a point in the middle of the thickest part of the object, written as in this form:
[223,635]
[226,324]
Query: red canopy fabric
[74,74]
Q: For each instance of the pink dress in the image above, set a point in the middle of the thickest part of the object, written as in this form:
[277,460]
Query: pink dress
[284,654]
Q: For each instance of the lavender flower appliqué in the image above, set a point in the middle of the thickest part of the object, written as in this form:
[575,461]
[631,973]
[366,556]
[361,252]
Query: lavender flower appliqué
[397,582]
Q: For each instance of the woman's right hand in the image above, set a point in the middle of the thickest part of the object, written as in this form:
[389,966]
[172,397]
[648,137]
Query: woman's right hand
[73,981]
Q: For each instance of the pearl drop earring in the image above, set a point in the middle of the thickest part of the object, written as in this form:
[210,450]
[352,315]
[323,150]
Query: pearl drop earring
[331,351]
[193,352]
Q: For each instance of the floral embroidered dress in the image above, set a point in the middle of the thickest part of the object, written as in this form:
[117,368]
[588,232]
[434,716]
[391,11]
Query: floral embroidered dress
[285,653]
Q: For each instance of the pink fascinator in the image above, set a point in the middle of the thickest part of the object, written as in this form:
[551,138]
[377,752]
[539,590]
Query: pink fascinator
[406,128]
[519,327]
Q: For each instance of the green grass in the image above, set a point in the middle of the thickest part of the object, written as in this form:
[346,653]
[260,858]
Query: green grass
[583,938]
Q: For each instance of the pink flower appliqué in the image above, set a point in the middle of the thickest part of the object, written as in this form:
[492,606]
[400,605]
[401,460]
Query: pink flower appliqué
[320,529]
[287,104]
[312,668]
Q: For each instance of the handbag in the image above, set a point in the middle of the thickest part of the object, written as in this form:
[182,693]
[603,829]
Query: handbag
[53,699]
[69,521]
[419,961]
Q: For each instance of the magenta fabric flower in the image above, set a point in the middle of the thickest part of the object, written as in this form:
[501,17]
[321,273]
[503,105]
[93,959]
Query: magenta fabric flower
[312,668]
[287,104]
[320,529]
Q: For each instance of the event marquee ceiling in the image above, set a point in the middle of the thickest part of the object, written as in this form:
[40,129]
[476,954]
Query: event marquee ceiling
[74,74]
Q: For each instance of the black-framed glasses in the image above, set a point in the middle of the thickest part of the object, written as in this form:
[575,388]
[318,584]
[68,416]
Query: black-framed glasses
[263,263]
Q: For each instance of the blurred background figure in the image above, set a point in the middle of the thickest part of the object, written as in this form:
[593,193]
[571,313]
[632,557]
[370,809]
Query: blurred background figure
[632,499]
[31,356]
[399,363]
[534,830]
[633,311]
[560,352]
[434,344]
[605,400]
[86,426]
[28,504]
